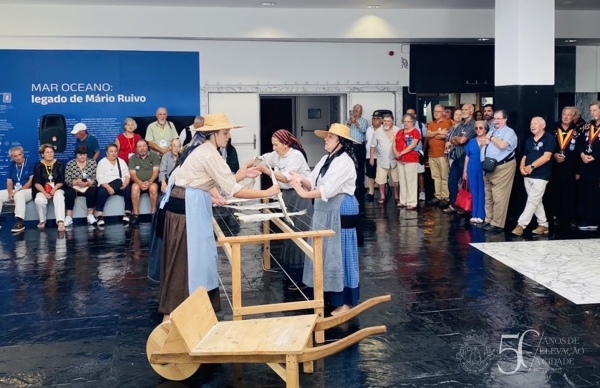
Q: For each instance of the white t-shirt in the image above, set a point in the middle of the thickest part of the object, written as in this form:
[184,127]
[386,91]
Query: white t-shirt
[293,161]
[106,172]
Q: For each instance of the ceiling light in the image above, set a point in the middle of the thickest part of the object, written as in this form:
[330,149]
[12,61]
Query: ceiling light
[374,6]
[571,40]
[483,39]
[266,4]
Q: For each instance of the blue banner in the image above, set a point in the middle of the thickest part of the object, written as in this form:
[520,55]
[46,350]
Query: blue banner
[98,88]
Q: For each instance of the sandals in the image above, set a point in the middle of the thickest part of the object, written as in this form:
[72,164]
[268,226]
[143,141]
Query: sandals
[41,225]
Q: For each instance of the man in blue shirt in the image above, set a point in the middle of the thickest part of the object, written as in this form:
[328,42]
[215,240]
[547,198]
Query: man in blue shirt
[358,131]
[83,137]
[536,167]
[18,186]
[500,145]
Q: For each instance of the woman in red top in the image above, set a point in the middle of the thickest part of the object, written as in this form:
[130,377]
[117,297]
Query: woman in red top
[127,140]
[408,162]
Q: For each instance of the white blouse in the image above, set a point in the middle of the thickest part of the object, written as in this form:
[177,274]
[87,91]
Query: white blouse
[293,161]
[107,172]
[340,177]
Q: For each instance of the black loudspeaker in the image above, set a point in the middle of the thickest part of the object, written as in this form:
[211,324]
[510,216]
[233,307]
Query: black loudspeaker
[53,130]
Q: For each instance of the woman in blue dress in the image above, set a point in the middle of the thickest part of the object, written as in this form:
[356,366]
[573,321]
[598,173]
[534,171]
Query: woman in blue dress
[332,184]
[473,172]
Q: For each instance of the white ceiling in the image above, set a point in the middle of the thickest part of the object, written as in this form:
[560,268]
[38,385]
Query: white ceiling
[341,4]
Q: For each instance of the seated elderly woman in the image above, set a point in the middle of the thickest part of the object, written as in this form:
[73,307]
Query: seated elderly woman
[112,175]
[80,179]
[48,180]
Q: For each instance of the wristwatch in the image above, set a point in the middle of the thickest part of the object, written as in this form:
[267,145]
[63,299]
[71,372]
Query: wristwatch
[532,166]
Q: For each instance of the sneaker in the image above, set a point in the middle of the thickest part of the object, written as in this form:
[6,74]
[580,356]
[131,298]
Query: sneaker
[134,219]
[100,221]
[126,218]
[422,196]
[433,202]
[518,231]
[370,198]
[68,221]
[443,204]
[19,226]
[91,220]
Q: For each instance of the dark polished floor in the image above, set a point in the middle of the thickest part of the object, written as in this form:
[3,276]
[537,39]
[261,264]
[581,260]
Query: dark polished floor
[77,311]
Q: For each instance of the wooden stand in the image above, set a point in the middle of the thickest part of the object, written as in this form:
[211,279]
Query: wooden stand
[193,336]
[232,247]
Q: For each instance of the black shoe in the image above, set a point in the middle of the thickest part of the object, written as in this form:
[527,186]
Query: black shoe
[370,198]
[443,204]
[134,220]
[18,227]
[487,226]
[434,201]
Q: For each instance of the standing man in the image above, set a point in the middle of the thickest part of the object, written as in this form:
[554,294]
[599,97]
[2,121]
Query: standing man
[438,164]
[186,135]
[144,167]
[420,148]
[500,145]
[457,139]
[371,164]
[160,133]
[488,115]
[358,131]
[536,167]
[382,147]
[18,186]
[84,138]
[562,187]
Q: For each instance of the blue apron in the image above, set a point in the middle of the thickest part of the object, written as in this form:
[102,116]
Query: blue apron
[201,245]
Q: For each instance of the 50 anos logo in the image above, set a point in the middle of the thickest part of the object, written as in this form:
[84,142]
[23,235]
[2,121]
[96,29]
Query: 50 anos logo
[475,354]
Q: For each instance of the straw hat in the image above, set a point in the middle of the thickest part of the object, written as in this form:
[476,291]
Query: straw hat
[215,122]
[337,129]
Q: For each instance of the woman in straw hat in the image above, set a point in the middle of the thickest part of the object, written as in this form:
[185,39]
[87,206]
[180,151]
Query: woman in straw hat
[289,157]
[189,251]
[331,184]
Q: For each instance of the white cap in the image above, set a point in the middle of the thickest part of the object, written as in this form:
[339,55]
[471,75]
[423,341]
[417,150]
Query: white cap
[79,127]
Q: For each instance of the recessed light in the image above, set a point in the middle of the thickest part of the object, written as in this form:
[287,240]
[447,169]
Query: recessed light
[483,39]
[571,40]
[268,4]
[374,6]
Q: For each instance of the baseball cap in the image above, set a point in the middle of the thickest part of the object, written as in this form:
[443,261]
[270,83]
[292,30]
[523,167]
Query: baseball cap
[78,127]
[377,114]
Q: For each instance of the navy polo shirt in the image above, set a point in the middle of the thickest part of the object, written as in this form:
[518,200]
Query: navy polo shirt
[14,172]
[92,145]
[534,150]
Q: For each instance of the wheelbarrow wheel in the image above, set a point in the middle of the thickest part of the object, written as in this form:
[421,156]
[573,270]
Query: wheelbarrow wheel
[175,372]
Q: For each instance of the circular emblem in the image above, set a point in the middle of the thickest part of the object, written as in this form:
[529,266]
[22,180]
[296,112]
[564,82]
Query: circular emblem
[137,167]
[475,355]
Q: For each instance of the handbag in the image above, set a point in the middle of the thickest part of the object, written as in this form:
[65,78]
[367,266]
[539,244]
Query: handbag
[116,184]
[464,199]
[489,164]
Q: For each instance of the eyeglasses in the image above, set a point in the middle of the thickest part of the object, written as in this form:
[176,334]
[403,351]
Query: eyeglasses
[499,118]
[479,127]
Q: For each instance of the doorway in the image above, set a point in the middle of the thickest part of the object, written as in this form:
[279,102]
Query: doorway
[275,113]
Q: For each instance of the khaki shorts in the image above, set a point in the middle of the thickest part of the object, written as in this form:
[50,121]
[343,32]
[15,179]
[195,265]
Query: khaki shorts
[382,175]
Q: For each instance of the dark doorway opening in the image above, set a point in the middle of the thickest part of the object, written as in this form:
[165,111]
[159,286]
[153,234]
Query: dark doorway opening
[275,113]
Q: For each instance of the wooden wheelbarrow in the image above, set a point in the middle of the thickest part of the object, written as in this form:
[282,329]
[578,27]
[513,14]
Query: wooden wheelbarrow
[193,336]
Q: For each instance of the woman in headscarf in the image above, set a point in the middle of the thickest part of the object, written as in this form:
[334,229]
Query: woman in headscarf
[332,184]
[189,250]
[289,157]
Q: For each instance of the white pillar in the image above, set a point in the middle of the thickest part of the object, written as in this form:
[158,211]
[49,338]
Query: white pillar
[524,34]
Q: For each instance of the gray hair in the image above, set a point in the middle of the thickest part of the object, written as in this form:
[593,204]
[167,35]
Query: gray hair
[199,119]
[576,110]
[571,108]
[130,120]
[16,148]
[540,120]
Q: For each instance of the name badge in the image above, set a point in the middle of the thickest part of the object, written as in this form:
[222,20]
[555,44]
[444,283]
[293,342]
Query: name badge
[50,178]
[163,143]
[18,186]
[137,167]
